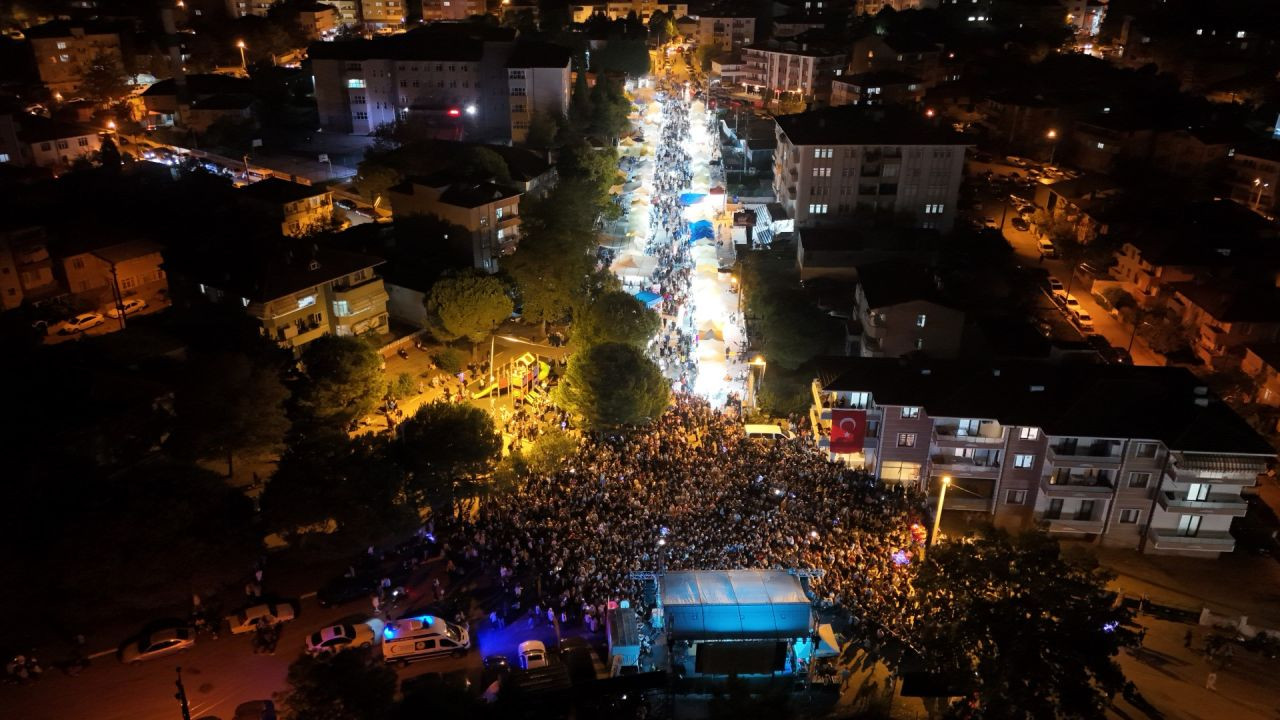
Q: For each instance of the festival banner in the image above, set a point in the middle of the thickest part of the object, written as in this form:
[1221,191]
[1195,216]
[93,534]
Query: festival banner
[848,430]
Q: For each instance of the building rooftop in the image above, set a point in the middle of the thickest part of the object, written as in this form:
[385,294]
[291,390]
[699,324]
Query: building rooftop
[458,192]
[226,101]
[263,272]
[275,190]
[805,51]
[839,239]
[535,54]
[201,84]
[37,128]
[64,28]
[1104,401]
[1233,301]
[437,41]
[893,282]
[121,252]
[863,125]
[878,77]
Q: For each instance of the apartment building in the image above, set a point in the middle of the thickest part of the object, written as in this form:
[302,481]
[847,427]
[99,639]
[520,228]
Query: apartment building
[127,269]
[873,7]
[900,310]
[299,209]
[805,72]
[348,11]
[538,79]
[1192,152]
[1099,143]
[456,73]
[643,10]
[489,212]
[796,23]
[1226,315]
[319,20]
[26,269]
[910,55]
[1253,178]
[886,87]
[65,50]
[1262,363]
[726,29]
[433,10]
[847,162]
[243,8]
[380,14]
[1128,456]
[296,292]
[36,141]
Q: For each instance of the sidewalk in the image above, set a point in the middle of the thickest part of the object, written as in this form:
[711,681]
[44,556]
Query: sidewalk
[1234,584]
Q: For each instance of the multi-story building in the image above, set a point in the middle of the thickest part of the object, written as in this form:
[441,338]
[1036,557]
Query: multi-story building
[621,9]
[64,51]
[489,212]
[382,13]
[244,8]
[1262,363]
[909,55]
[886,87]
[299,209]
[433,10]
[900,311]
[26,269]
[538,78]
[1192,152]
[297,293]
[873,7]
[796,23]
[805,72]
[1254,177]
[1224,316]
[36,141]
[319,20]
[1099,142]
[348,11]
[1086,16]
[726,29]
[126,269]
[840,163]
[454,72]
[1130,456]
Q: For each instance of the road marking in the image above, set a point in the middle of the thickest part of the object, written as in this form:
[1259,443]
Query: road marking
[101,653]
[307,596]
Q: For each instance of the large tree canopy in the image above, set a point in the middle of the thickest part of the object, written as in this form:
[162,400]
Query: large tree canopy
[466,305]
[227,405]
[351,685]
[1030,634]
[448,448]
[616,316]
[612,385]
[344,379]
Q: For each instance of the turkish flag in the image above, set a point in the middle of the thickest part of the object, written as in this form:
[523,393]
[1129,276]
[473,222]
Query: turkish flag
[848,430]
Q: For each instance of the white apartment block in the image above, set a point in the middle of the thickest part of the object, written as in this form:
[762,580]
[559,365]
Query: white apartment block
[835,164]
[538,80]
[1127,456]
[806,73]
[643,9]
[726,30]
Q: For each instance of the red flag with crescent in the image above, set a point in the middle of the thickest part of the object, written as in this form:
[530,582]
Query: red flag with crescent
[848,429]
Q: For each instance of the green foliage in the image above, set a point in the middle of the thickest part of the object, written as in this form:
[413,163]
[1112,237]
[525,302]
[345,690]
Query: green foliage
[616,316]
[551,451]
[344,379]
[1119,298]
[611,386]
[467,305]
[230,134]
[622,55]
[448,449]
[449,359]
[1021,627]
[109,155]
[783,391]
[480,163]
[705,54]
[228,405]
[351,685]
[402,387]
[544,128]
[374,178]
[609,108]
[548,269]
[104,81]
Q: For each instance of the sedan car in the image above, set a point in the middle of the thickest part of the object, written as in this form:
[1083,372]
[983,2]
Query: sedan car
[336,638]
[533,654]
[247,620]
[158,643]
[130,306]
[1055,286]
[80,323]
[1020,224]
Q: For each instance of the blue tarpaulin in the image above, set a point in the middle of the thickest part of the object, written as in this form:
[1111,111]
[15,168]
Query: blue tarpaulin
[701,229]
[691,198]
[650,300]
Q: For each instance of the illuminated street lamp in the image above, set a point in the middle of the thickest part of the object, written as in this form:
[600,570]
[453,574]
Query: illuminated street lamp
[754,383]
[243,64]
[111,126]
[1053,138]
[1257,198]
[937,515]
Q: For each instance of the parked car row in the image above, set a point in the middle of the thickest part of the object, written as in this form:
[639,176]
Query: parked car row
[86,320]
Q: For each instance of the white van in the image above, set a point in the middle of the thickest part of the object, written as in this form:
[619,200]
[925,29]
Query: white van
[419,638]
[766,432]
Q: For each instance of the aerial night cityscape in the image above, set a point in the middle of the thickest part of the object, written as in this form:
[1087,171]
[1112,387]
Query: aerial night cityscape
[640,360]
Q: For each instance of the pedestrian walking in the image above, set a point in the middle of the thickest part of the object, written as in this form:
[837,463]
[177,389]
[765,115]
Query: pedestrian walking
[377,604]
[1211,681]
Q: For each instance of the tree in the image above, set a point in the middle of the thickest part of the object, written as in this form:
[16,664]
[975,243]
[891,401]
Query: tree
[792,328]
[616,316]
[548,269]
[480,163]
[1028,633]
[467,305]
[580,100]
[344,379]
[227,405]
[447,449]
[611,386]
[543,130]
[351,685]
[551,451]
[402,387]
[1119,298]
[109,154]
[375,178]
[104,80]
[791,104]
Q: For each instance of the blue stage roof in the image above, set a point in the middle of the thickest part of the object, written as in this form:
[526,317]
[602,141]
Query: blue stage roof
[650,300]
[735,604]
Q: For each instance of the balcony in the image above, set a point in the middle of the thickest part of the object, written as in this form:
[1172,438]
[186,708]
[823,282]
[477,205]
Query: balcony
[969,503]
[871,346]
[1070,524]
[1077,486]
[968,467]
[951,435]
[1213,468]
[1096,454]
[1205,541]
[1223,504]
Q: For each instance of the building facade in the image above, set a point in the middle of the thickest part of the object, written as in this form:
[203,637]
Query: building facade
[433,10]
[300,209]
[835,164]
[1136,457]
[490,213]
[244,8]
[643,10]
[1253,178]
[877,88]
[36,141]
[64,51]
[382,13]
[538,79]
[900,311]
[726,30]
[804,73]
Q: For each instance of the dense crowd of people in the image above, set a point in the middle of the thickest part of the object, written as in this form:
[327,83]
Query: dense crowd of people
[692,492]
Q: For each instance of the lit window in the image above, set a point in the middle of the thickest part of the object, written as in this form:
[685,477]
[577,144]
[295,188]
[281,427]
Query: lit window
[1015,497]
[1028,433]
[910,412]
[307,301]
[818,209]
[62,46]
[355,83]
[1240,35]
[906,440]
[1023,461]
[921,319]
[1102,146]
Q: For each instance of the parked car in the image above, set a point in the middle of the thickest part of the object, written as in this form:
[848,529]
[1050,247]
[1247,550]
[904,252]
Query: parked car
[157,643]
[80,323]
[248,619]
[1084,320]
[345,204]
[129,305]
[577,655]
[336,638]
[1047,249]
[533,654]
[1055,286]
[1019,223]
[1072,304]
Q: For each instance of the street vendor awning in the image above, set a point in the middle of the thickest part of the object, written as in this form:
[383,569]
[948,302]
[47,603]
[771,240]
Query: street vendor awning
[651,300]
[701,229]
[634,266]
[691,198]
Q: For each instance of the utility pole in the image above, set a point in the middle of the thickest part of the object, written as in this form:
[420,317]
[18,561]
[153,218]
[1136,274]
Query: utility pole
[181,695]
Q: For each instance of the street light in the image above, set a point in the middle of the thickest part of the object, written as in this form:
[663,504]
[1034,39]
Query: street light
[243,64]
[1257,198]
[754,383]
[937,515]
[1053,138]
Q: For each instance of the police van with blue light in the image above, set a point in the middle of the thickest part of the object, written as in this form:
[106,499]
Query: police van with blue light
[423,637]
